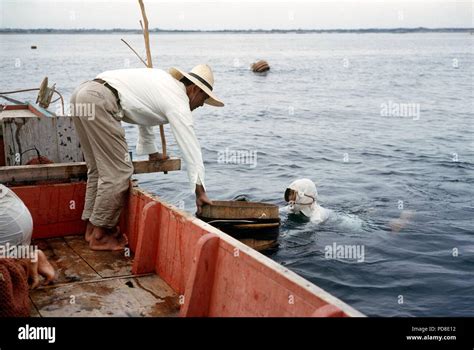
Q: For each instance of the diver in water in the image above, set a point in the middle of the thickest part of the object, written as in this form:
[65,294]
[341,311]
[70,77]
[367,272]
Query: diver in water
[302,198]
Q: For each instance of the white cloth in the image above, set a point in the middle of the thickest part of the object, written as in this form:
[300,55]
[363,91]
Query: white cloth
[306,201]
[16,224]
[152,97]
[319,214]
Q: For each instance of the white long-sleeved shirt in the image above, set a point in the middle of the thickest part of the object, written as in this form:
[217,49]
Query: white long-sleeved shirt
[16,224]
[150,97]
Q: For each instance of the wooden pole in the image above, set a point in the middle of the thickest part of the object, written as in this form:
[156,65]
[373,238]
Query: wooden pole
[150,65]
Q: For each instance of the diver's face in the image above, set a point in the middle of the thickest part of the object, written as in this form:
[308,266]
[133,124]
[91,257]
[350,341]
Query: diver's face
[297,201]
[292,196]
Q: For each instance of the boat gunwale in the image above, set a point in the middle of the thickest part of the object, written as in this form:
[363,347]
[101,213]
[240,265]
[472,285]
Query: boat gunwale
[259,258]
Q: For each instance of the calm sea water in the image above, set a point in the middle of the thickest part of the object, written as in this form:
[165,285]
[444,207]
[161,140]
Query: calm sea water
[326,111]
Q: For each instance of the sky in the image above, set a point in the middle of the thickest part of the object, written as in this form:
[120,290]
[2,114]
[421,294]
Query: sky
[224,14]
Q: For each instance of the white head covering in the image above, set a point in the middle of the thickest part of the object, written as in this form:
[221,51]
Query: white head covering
[16,224]
[306,197]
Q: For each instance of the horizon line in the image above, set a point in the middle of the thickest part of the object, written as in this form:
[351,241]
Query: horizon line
[155,30]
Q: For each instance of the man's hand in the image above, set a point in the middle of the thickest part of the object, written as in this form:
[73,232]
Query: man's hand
[201,199]
[157,156]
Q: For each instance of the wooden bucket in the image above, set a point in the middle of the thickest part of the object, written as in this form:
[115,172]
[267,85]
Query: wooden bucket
[256,224]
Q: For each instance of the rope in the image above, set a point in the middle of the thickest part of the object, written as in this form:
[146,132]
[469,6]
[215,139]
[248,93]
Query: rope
[35,89]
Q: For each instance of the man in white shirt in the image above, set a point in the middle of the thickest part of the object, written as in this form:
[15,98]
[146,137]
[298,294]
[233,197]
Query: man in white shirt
[146,97]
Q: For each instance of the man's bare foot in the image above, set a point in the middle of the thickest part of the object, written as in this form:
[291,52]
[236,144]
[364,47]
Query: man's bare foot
[107,239]
[89,230]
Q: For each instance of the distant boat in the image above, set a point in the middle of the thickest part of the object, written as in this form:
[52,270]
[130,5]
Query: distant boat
[33,47]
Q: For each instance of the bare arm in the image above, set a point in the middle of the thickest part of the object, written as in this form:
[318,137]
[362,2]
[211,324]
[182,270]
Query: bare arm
[201,198]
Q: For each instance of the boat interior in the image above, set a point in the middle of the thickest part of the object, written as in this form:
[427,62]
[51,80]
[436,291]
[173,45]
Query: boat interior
[176,265]
[99,284]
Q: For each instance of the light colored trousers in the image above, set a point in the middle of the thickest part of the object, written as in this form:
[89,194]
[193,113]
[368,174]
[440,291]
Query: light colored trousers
[102,139]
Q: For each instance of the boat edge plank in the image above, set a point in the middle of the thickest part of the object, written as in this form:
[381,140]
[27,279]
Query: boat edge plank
[67,171]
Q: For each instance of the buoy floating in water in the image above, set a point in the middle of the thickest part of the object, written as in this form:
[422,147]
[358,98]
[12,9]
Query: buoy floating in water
[260,66]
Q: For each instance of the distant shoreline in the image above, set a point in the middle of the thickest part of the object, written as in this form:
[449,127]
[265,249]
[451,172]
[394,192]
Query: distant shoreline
[231,31]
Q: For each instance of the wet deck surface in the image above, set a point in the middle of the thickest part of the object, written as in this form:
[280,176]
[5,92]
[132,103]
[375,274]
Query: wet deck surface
[90,283]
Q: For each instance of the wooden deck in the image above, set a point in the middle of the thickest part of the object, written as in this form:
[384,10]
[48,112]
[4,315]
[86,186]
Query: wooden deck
[90,283]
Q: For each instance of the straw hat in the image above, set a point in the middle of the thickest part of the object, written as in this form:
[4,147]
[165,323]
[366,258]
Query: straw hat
[202,76]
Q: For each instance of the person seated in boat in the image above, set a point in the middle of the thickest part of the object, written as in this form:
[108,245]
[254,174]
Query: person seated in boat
[16,228]
[146,97]
[302,197]
[17,276]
